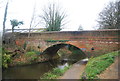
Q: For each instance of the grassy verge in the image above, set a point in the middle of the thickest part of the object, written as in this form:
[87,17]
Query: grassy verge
[55,73]
[98,64]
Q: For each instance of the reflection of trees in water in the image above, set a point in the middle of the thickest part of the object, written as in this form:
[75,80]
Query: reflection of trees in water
[70,52]
[64,52]
[63,65]
[54,62]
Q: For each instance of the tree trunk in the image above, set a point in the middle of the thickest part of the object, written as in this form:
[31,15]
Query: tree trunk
[5,15]
[12,29]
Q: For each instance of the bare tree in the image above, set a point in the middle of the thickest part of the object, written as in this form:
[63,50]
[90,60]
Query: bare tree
[34,22]
[32,19]
[109,18]
[5,16]
[53,18]
[118,15]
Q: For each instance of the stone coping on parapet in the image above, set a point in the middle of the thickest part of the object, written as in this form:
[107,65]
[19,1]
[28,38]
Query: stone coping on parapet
[78,31]
[100,30]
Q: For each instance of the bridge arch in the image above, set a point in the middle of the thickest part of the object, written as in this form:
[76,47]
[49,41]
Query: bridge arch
[52,50]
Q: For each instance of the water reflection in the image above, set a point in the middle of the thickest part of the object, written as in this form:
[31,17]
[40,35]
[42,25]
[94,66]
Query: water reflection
[27,72]
[62,66]
[34,71]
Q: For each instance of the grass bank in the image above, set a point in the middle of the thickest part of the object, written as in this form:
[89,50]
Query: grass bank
[55,73]
[98,64]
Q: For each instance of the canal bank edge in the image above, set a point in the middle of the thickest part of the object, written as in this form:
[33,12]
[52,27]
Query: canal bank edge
[98,65]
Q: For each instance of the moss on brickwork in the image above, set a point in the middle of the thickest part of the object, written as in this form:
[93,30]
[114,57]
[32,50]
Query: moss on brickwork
[56,40]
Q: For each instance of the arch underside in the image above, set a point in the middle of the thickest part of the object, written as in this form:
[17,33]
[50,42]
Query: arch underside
[52,50]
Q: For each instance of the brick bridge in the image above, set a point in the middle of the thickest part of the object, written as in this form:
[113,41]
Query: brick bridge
[92,42]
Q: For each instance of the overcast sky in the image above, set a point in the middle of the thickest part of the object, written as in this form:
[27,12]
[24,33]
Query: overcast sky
[79,12]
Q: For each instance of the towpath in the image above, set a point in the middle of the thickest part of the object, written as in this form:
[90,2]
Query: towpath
[78,68]
[75,71]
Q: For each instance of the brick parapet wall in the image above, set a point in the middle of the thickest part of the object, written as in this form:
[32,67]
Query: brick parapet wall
[96,35]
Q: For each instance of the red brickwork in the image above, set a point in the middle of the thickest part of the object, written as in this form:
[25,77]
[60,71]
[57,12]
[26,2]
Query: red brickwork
[102,41]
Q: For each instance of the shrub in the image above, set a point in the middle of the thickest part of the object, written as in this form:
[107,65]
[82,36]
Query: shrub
[5,60]
[31,56]
[0,57]
[25,45]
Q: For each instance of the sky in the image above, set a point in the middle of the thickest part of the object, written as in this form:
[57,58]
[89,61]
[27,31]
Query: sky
[79,12]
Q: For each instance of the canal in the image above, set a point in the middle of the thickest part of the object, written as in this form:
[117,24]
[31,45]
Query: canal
[34,71]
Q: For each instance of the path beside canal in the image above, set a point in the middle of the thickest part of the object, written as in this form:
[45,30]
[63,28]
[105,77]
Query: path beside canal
[75,71]
[78,68]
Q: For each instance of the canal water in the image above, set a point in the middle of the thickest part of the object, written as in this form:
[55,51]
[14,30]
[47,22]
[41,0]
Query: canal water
[34,71]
